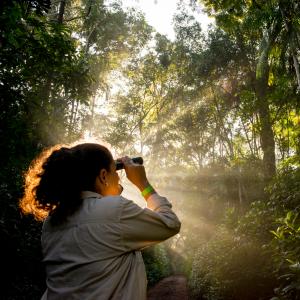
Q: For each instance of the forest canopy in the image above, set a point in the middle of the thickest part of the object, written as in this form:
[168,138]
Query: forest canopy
[217,112]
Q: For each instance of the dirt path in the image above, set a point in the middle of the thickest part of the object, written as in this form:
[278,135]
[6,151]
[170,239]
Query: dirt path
[169,288]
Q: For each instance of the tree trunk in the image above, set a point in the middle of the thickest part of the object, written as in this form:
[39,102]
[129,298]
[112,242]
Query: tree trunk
[61,12]
[293,43]
[261,87]
[266,131]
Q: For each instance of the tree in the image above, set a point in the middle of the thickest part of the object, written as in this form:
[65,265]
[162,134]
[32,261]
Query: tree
[146,99]
[266,26]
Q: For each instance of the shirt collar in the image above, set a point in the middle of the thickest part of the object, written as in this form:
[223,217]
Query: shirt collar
[89,194]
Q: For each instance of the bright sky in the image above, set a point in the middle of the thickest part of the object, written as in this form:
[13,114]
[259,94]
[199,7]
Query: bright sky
[159,14]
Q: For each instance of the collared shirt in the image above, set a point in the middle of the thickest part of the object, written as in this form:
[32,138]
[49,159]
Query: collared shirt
[96,254]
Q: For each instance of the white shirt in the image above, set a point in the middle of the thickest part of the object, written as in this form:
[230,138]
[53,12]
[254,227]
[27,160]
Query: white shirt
[96,253]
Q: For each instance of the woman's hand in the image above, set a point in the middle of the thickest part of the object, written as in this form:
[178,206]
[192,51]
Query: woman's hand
[135,173]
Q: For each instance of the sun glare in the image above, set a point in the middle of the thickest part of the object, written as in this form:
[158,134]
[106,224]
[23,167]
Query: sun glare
[159,14]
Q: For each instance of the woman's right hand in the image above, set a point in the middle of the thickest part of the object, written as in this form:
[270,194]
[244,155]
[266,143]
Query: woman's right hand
[135,173]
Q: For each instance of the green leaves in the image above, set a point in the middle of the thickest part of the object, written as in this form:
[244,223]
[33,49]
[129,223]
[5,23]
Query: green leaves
[157,263]
[287,243]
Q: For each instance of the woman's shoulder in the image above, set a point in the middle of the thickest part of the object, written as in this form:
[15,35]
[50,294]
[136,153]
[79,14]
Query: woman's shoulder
[117,201]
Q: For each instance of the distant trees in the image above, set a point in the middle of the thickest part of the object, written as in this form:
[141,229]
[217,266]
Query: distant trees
[268,39]
[237,72]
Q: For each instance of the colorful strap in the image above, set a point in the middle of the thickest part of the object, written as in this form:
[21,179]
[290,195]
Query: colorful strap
[148,190]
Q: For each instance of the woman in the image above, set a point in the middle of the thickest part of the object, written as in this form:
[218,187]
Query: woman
[92,236]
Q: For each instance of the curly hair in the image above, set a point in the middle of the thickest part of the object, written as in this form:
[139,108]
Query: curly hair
[56,178]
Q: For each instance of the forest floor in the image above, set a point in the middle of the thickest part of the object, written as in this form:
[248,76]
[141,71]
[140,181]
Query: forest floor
[170,288]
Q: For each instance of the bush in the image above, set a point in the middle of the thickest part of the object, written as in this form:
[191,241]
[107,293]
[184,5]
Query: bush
[22,272]
[229,267]
[287,256]
[244,260]
[157,263]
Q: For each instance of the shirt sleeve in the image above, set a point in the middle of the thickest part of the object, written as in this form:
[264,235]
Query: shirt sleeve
[141,228]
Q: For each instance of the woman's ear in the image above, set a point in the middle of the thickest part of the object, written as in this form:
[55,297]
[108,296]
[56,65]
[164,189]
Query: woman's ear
[103,176]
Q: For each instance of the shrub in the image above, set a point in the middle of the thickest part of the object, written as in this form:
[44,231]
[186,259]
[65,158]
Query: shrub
[244,260]
[157,263]
[287,256]
[230,267]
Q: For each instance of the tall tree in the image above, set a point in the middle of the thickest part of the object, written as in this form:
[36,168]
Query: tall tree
[266,25]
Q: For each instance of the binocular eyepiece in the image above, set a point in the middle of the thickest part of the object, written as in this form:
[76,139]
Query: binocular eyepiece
[137,160]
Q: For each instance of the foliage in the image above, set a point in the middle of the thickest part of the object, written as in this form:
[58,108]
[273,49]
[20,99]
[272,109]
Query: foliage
[44,73]
[33,52]
[215,115]
[268,235]
[231,268]
[287,246]
[157,263]
[283,196]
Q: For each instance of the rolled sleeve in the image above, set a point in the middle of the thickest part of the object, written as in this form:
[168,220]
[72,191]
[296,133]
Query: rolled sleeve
[141,228]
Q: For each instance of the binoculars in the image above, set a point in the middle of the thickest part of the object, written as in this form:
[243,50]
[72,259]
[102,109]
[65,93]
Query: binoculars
[137,160]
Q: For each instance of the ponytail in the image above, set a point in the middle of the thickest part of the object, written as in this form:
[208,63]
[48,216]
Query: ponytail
[55,180]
